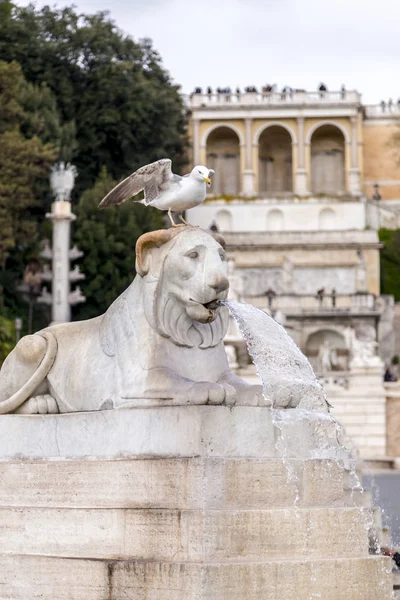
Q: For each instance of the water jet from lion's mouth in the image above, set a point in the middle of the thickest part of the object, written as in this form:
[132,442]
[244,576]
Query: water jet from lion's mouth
[287,376]
[212,305]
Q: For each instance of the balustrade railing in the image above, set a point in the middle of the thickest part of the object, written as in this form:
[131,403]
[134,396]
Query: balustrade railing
[293,303]
[273,98]
[382,110]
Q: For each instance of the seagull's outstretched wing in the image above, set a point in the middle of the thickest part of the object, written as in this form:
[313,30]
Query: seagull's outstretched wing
[150,178]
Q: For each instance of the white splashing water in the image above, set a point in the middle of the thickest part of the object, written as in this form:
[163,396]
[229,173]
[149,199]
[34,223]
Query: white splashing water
[286,374]
[289,381]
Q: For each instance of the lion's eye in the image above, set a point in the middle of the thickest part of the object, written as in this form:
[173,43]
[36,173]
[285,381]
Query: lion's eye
[193,255]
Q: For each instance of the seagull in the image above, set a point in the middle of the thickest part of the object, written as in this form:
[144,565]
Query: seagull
[163,189]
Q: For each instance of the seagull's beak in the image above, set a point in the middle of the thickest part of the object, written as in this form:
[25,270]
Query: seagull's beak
[207,180]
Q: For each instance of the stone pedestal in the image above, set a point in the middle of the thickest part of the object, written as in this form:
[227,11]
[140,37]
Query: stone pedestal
[180,503]
[354,182]
[301,182]
[248,183]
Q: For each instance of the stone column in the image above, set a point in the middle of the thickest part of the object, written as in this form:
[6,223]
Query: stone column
[354,172]
[248,173]
[196,142]
[61,216]
[300,186]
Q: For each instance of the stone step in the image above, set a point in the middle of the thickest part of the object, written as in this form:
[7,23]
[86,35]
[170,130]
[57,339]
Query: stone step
[358,497]
[83,579]
[178,431]
[188,483]
[172,535]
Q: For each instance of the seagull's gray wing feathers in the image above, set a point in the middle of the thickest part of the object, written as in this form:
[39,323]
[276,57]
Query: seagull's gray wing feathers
[211,173]
[150,178]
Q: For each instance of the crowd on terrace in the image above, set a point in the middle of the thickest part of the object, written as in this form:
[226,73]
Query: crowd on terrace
[265,89]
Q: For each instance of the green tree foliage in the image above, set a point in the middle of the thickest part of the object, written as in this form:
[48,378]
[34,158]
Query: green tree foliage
[390,262]
[24,161]
[126,109]
[25,158]
[6,338]
[104,100]
[108,238]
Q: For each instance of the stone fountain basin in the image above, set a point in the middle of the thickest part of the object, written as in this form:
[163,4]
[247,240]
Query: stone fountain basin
[181,503]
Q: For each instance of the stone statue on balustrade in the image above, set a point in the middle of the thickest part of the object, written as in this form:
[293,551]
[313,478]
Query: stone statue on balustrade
[327,358]
[363,347]
[159,343]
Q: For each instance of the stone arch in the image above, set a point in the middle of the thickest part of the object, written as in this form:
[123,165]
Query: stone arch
[275,220]
[327,219]
[275,165]
[265,126]
[316,338]
[314,128]
[327,346]
[223,155]
[212,128]
[223,219]
[327,159]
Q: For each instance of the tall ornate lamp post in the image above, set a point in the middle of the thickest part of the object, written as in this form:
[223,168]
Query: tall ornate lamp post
[62,181]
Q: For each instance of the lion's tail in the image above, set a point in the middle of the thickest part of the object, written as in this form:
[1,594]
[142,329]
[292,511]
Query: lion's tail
[23,394]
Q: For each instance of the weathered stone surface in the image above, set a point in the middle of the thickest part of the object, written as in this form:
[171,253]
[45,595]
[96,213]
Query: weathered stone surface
[185,483]
[180,504]
[46,578]
[219,431]
[34,578]
[393,423]
[170,535]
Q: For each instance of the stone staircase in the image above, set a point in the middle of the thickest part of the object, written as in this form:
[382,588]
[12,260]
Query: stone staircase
[180,503]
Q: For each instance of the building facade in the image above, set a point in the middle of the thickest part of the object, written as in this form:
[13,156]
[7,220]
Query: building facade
[300,144]
[302,182]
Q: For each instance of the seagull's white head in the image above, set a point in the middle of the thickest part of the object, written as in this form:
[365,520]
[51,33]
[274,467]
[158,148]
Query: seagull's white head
[201,173]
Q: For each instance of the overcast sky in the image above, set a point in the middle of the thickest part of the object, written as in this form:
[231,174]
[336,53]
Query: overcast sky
[298,43]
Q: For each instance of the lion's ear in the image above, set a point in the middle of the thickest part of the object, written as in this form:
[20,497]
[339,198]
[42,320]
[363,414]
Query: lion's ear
[147,241]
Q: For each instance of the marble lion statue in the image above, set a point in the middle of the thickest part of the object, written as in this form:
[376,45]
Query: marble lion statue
[159,343]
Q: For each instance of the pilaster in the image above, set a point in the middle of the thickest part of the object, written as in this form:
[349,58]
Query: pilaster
[300,186]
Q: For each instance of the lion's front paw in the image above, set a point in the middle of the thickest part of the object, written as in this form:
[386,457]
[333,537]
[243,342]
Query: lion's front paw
[203,392]
[252,395]
[39,405]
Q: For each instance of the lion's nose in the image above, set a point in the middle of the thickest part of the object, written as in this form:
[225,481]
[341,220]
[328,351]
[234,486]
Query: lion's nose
[219,284]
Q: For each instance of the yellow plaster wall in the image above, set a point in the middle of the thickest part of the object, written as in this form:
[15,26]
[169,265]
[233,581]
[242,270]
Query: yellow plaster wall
[360,149]
[381,160]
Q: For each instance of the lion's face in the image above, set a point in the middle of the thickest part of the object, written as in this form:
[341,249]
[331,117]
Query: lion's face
[185,276]
[196,275]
